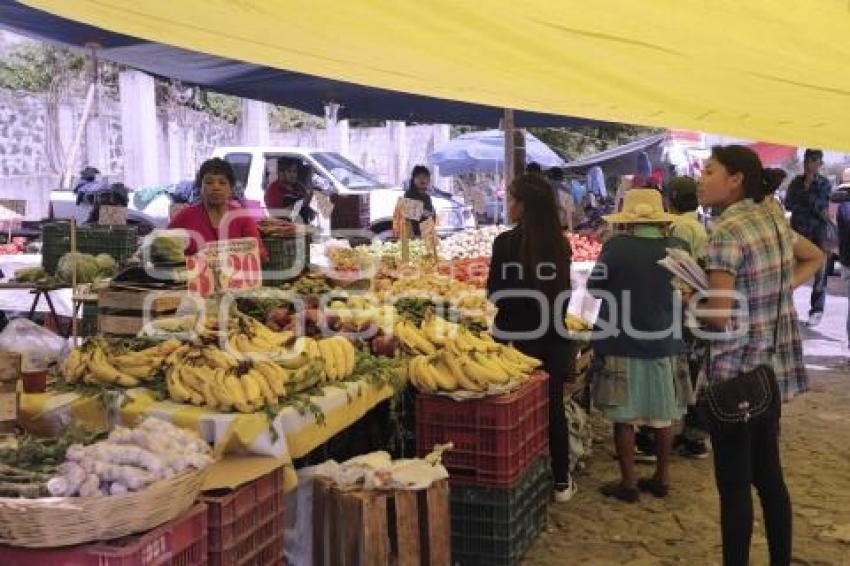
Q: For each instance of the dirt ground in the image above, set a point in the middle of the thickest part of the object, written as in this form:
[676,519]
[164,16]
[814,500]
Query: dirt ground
[685,528]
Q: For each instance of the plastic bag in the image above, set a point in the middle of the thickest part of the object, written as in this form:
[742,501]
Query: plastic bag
[38,346]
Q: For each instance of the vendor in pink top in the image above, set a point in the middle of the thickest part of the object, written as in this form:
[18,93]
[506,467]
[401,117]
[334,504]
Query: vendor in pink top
[204,220]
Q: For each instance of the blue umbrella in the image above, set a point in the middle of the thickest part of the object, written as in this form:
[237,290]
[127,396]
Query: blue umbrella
[484,152]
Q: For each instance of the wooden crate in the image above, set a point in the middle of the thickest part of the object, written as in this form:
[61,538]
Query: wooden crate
[366,528]
[121,311]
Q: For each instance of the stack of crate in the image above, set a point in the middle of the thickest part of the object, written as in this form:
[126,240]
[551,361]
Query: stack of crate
[498,469]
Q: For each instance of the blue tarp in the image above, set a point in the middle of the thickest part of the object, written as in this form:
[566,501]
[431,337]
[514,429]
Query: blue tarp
[484,152]
[295,90]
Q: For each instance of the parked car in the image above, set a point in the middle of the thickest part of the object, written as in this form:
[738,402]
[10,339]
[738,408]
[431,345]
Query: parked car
[333,174]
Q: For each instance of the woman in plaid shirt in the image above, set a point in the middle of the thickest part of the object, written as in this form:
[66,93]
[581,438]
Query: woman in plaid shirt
[751,269]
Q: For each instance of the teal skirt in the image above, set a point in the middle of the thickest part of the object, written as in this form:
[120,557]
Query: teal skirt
[648,392]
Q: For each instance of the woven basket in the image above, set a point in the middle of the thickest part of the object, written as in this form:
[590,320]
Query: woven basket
[63,521]
[283,253]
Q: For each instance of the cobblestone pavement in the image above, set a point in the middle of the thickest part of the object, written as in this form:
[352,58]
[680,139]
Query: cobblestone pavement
[684,528]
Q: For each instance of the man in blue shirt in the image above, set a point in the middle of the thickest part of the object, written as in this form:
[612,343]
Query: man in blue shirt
[808,201]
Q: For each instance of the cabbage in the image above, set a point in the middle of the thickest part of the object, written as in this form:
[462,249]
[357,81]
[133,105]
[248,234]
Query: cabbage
[29,274]
[108,265]
[86,265]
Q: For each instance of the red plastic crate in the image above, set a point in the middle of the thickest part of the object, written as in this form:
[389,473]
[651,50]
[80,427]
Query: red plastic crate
[495,438]
[182,542]
[246,525]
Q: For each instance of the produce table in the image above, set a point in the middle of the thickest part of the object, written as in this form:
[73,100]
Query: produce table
[295,436]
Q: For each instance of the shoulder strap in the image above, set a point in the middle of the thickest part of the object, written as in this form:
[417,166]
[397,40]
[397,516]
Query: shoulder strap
[781,282]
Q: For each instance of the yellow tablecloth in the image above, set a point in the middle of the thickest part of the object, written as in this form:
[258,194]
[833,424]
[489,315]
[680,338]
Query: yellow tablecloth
[295,434]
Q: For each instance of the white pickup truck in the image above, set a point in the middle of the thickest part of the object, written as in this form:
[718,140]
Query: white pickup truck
[331,173]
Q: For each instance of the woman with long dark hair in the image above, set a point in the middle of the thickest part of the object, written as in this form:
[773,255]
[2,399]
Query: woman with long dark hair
[529,282]
[750,259]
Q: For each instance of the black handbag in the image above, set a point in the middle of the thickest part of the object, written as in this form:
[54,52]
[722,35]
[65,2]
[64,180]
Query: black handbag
[750,396]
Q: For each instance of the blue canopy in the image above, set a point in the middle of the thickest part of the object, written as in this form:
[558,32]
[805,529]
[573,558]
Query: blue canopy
[484,152]
[296,90]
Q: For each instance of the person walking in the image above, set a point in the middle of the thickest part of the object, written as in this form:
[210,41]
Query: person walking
[529,282]
[749,256]
[842,219]
[808,200]
[638,341]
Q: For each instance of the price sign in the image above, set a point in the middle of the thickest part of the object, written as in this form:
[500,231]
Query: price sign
[112,215]
[428,230]
[226,265]
[412,208]
[323,204]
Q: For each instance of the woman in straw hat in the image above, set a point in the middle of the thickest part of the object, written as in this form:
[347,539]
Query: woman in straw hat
[638,340]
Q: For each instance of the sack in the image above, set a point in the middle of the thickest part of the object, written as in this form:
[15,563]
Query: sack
[749,397]
[39,347]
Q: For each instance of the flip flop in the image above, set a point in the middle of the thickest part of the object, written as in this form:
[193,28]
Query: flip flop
[621,492]
[653,486]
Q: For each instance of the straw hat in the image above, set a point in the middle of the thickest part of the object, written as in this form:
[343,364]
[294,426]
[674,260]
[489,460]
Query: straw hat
[641,206]
[845,179]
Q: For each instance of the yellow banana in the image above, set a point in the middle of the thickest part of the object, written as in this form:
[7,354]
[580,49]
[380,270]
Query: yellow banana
[457,372]
[219,389]
[421,378]
[466,341]
[176,390]
[511,368]
[177,355]
[297,356]
[411,337]
[480,344]
[515,355]
[104,372]
[71,365]
[330,360]
[492,366]
[274,375]
[265,387]
[237,393]
[352,356]
[253,393]
[164,349]
[481,373]
[145,372]
[439,373]
[432,332]
[461,344]
[340,356]
[219,359]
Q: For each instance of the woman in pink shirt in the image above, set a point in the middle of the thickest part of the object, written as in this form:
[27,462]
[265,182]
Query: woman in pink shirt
[203,221]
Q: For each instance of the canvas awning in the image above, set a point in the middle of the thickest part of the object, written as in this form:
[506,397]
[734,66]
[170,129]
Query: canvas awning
[773,70]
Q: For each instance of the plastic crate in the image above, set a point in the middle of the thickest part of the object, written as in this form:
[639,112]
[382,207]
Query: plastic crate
[182,542]
[283,255]
[496,526]
[120,242]
[246,525]
[495,438]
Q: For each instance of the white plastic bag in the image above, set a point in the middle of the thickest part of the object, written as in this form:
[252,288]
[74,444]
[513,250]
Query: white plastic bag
[38,346]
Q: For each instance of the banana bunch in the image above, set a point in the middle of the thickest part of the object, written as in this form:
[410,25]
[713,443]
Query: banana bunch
[576,323]
[413,339]
[95,363]
[470,363]
[209,377]
[339,357]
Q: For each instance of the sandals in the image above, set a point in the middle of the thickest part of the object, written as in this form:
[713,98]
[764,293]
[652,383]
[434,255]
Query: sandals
[621,492]
[653,486]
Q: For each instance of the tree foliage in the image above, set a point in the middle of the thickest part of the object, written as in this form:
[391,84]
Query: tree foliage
[33,67]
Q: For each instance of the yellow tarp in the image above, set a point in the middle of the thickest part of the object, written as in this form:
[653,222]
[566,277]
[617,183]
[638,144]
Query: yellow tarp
[775,70]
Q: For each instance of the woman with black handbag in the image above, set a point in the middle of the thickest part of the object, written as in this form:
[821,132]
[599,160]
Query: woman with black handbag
[755,353]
